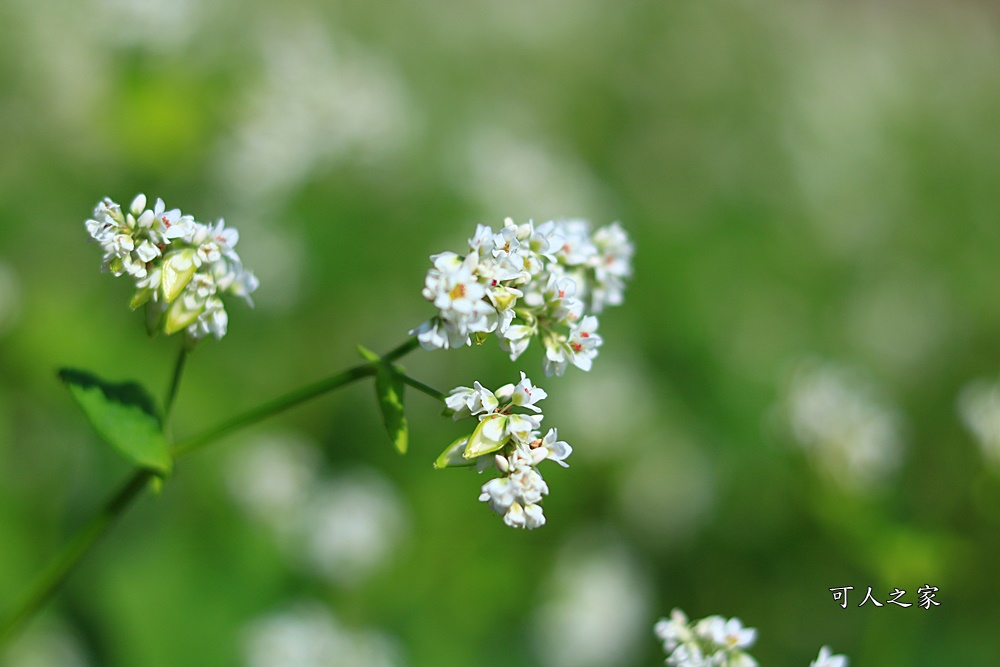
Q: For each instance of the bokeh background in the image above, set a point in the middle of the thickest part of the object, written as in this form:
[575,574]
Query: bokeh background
[801,391]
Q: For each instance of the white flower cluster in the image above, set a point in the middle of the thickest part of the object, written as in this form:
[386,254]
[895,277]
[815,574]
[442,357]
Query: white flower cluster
[181,267]
[523,281]
[717,642]
[516,443]
[710,642]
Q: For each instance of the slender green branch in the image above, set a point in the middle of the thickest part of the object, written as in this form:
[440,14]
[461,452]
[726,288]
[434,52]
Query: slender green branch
[287,401]
[60,569]
[272,408]
[71,556]
[175,383]
[420,386]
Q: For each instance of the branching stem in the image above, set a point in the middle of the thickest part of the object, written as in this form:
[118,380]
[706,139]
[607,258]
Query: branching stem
[64,564]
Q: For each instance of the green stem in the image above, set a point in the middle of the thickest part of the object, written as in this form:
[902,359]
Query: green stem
[287,401]
[175,383]
[98,525]
[71,556]
[421,387]
[272,408]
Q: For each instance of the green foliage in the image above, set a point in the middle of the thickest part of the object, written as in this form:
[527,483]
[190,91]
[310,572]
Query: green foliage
[125,417]
[389,389]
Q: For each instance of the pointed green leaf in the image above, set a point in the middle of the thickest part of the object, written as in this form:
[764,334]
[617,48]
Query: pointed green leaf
[125,417]
[389,388]
[488,437]
[452,455]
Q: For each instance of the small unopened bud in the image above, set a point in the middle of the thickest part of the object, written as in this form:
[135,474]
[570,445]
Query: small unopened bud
[503,465]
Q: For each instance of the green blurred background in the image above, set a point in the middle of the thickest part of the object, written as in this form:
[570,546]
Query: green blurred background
[799,393]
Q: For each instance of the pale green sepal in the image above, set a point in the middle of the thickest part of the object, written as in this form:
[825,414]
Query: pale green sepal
[480,337]
[179,317]
[452,457]
[140,298]
[178,268]
[481,442]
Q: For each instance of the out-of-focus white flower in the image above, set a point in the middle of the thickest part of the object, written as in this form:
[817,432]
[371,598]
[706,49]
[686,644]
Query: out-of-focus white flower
[272,477]
[181,268]
[596,607]
[308,635]
[524,282]
[342,528]
[612,264]
[509,441]
[835,414]
[710,642]
[351,526]
[320,100]
[827,659]
[979,408]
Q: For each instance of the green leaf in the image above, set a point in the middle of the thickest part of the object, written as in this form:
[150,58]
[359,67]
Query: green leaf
[125,417]
[452,455]
[389,390]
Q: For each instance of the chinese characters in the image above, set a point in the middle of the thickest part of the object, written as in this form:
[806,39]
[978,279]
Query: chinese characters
[925,597]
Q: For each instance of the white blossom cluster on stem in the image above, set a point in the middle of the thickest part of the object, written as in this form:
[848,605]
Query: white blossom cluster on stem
[710,642]
[527,281]
[715,641]
[510,442]
[181,267]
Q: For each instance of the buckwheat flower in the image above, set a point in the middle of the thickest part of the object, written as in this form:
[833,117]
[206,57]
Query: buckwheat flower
[709,642]
[584,341]
[182,268]
[577,247]
[469,402]
[673,631]
[827,659]
[612,266]
[525,394]
[730,634]
[509,442]
[555,449]
[523,282]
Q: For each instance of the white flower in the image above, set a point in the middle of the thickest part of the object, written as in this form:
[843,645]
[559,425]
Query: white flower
[673,631]
[711,642]
[731,634]
[827,659]
[555,449]
[525,281]
[466,402]
[612,265]
[509,442]
[525,394]
[181,268]
[584,341]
